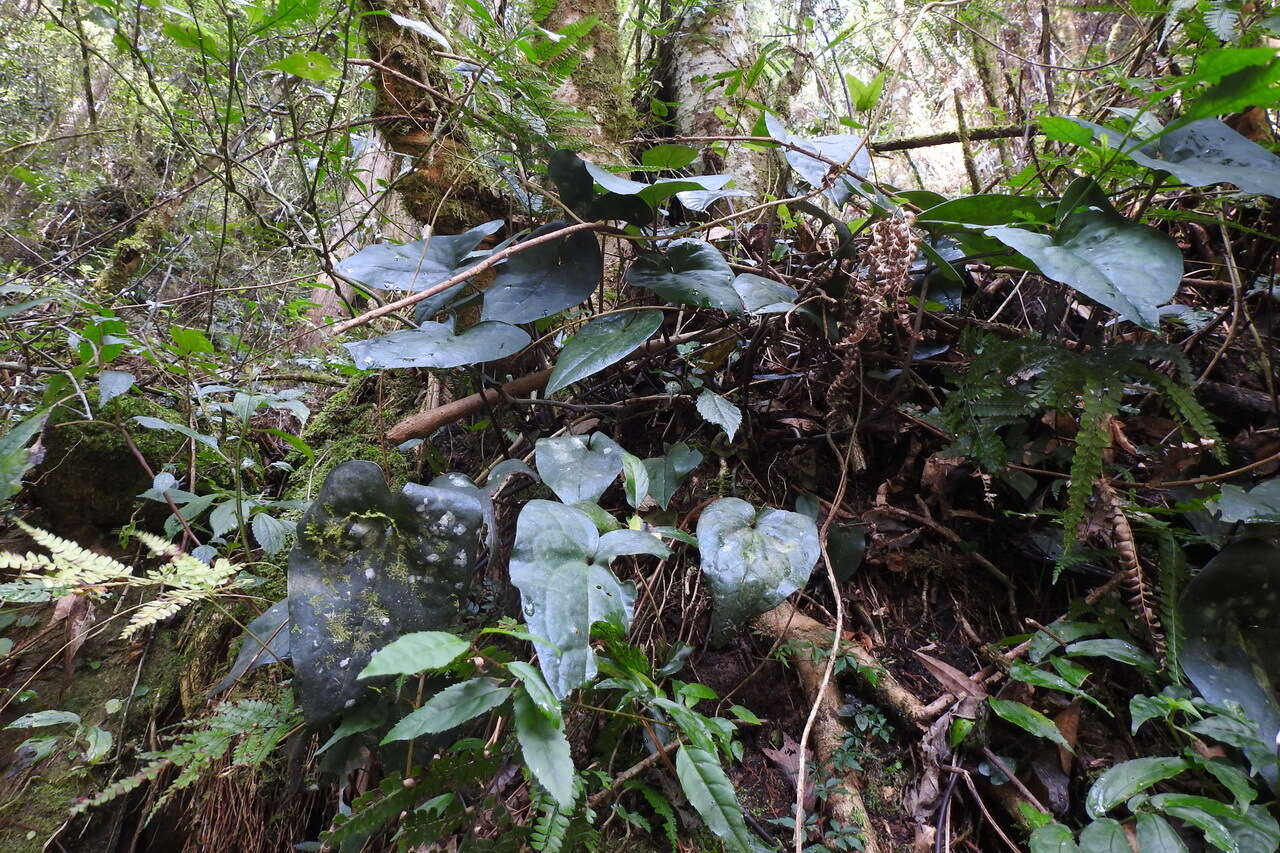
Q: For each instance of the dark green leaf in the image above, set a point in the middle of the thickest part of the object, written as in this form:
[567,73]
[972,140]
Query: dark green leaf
[763,295]
[1053,838]
[1118,650]
[1041,678]
[689,272]
[1130,268]
[666,473]
[574,184]
[15,457]
[436,345]
[711,793]
[563,591]
[1029,720]
[1155,835]
[1191,809]
[835,151]
[1122,781]
[576,467]
[266,641]
[1201,154]
[545,279]
[418,265]
[1104,835]
[451,707]
[536,688]
[604,341]
[545,749]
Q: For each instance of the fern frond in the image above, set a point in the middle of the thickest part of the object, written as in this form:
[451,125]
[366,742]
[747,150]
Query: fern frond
[1141,596]
[552,826]
[184,580]
[1187,408]
[1223,19]
[68,564]
[1173,577]
[1093,437]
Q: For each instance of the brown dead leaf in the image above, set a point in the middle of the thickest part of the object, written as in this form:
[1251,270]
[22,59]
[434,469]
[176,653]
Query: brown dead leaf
[787,757]
[952,680]
[1068,722]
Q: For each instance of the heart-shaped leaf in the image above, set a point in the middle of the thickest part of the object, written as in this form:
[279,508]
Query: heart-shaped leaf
[578,468]
[753,560]
[689,272]
[668,156]
[435,345]
[666,473]
[843,149]
[763,295]
[1201,154]
[564,591]
[600,343]
[573,182]
[545,279]
[418,265]
[1130,268]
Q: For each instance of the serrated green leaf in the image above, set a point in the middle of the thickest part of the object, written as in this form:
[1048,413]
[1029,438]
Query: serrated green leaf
[536,688]
[711,793]
[719,411]
[417,652]
[545,749]
[451,707]
[1122,781]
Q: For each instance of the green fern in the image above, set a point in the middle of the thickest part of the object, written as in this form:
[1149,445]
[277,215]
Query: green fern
[261,724]
[1173,577]
[1223,19]
[1187,408]
[69,568]
[1093,437]
[552,826]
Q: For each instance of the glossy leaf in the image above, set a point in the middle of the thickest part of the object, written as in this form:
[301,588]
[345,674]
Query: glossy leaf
[577,467]
[564,591]
[1155,835]
[436,345]
[763,295]
[719,411]
[1029,720]
[666,473]
[1201,154]
[839,149]
[1053,838]
[1122,781]
[711,793]
[1229,644]
[535,687]
[635,479]
[418,265]
[604,341]
[451,707]
[544,279]
[1104,835]
[753,560]
[1130,268]
[689,272]
[1118,650]
[416,652]
[545,749]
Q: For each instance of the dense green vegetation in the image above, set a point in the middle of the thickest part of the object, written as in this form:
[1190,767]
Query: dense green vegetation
[475,425]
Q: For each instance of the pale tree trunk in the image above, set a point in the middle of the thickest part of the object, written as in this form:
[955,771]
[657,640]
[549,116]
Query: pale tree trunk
[434,184]
[714,39]
[596,86]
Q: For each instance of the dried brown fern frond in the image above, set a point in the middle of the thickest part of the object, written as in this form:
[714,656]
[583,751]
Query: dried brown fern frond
[1141,596]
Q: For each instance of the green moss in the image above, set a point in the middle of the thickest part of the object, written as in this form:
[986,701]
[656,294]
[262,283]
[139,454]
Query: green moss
[90,479]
